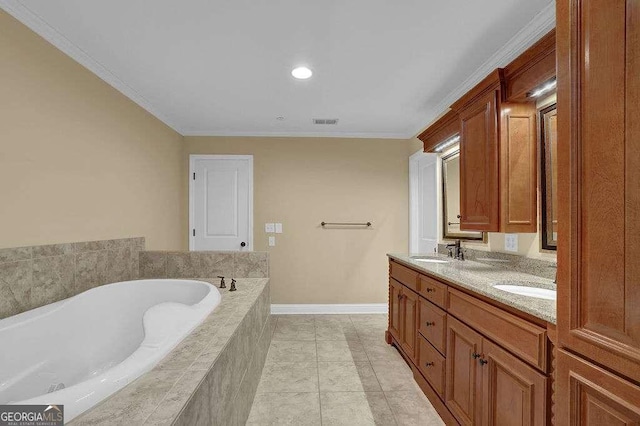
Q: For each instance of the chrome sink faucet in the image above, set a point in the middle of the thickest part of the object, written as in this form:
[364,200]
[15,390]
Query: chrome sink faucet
[455,250]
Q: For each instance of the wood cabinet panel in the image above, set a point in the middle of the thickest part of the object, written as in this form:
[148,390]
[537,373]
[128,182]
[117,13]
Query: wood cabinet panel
[463,381]
[517,335]
[513,393]
[395,293]
[433,290]
[518,168]
[404,275]
[432,365]
[591,396]
[432,324]
[599,171]
[444,128]
[536,66]
[479,164]
[408,317]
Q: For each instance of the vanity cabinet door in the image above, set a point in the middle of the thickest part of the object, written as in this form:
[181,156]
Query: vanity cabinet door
[409,302]
[479,165]
[598,185]
[395,293]
[513,393]
[463,381]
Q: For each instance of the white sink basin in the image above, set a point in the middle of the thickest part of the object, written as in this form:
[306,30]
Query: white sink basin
[428,259]
[538,293]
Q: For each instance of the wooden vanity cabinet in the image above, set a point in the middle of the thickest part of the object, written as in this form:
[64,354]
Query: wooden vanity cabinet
[598,44]
[476,362]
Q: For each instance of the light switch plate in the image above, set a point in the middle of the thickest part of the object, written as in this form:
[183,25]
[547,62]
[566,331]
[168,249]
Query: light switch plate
[269,228]
[511,242]
[272,241]
[278,228]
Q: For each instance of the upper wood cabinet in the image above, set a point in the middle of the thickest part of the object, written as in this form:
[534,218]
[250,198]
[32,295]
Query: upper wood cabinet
[518,168]
[599,182]
[479,155]
[444,128]
[536,66]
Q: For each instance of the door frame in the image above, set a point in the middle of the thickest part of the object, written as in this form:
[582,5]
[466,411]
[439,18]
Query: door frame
[413,201]
[192,160]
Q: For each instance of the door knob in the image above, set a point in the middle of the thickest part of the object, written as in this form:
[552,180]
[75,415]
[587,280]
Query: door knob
[242,244]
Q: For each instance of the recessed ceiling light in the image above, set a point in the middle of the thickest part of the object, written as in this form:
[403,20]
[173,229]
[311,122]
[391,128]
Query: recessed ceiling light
[301,73]
[280,118]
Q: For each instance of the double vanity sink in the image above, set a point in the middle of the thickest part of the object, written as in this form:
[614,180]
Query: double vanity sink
[537,290]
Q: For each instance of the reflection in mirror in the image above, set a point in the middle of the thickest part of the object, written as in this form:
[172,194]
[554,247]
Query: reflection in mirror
[451,199]
[549,177]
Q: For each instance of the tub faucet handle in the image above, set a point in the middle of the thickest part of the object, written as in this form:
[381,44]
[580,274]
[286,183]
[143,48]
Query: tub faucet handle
[222,284]
[233,285]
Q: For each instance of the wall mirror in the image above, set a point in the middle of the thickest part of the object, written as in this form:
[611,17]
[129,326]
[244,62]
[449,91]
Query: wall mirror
[549,178]
[451,199]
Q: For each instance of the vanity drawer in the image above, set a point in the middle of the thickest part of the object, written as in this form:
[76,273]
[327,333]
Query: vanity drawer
[433,325]
[406,276]
[522,338]
[432,365]
[433,291]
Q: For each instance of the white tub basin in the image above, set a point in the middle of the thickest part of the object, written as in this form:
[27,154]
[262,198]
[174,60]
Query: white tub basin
[80,350]
[538,293]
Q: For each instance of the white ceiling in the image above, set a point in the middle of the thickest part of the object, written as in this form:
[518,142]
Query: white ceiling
[384,68]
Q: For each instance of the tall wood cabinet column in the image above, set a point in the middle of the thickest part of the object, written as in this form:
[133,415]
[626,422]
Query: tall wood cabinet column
[599,187]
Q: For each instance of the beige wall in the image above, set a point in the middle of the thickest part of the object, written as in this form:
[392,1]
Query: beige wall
[78,160]
[303,181]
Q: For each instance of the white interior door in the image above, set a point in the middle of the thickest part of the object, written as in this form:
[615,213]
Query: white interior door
[423,203]
[221,202]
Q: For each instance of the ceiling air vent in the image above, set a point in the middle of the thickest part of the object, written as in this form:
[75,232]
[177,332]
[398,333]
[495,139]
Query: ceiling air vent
[331,121]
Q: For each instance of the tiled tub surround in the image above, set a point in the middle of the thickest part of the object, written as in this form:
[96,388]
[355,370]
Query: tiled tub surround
[210,377]
[34,276]
[175,264]
[480,278]
[542,268]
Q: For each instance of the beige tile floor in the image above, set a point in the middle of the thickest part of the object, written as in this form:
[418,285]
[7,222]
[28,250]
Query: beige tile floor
[337,370]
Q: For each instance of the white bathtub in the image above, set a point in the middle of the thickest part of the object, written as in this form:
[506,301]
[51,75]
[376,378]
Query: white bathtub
[80,350]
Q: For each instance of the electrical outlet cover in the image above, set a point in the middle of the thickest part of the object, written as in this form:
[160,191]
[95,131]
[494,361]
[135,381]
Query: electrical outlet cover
[269,228]
[272,241]
[511,242]
[278,228]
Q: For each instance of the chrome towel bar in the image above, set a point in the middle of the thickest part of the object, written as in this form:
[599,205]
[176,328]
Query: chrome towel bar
[346,223]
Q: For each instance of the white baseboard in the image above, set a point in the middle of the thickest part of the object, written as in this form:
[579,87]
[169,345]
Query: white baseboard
[341,308]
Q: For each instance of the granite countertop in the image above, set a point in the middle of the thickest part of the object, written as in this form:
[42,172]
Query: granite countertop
[480,278]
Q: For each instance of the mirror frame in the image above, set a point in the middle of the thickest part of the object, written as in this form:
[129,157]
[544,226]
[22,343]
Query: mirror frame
[546,243]
[467,235]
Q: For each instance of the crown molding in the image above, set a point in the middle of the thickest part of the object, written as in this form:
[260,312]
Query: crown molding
[540,25]
[354,135]
[23,14]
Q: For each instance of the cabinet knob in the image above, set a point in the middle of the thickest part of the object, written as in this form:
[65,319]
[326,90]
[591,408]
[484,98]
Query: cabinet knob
[475,355]
[430,289]
[483,361]
[429,323]
[429,364]
[399,296]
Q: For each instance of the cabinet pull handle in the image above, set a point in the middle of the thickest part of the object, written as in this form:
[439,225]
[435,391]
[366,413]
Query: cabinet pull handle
[429,324]
[430,289]
[483,361]
[399,296]
[429,364]
[476,355]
